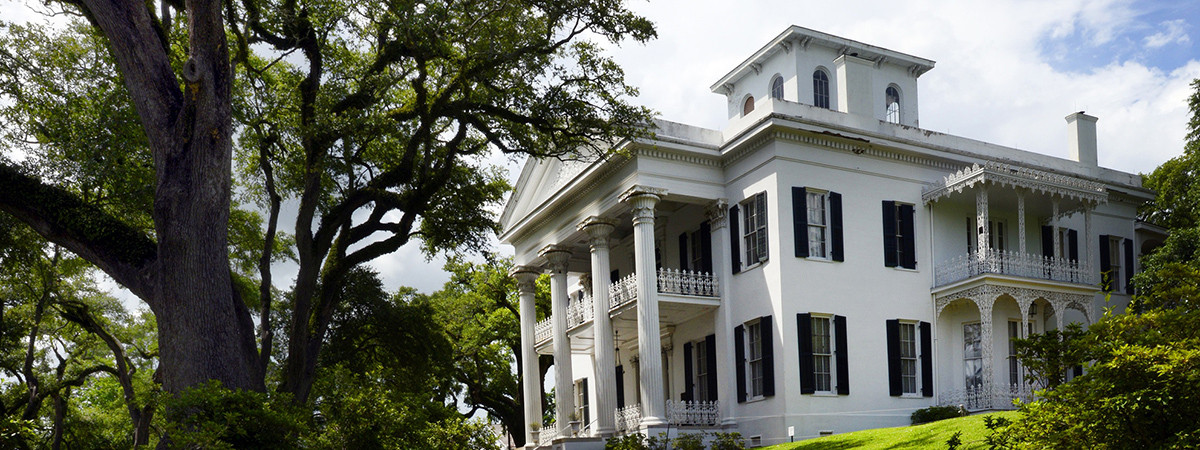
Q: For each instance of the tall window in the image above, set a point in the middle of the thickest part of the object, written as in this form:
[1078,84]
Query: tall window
[777,88]
[820,89]
[748,107]
[899,235]
[1015,372]
[698,256]
[1114,258]
[581,399]
[818,224]
[822,350]
[892,102]
[702,369]
[754,333]
[908,358]
[754,228]
[972,355]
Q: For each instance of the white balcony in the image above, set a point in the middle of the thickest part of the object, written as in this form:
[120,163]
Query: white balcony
[1011,263]
[628,418]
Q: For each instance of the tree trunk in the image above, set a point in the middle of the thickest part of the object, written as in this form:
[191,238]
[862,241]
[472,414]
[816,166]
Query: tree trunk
[60,411]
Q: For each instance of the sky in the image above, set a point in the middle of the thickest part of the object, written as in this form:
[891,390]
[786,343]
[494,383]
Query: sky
[1007,72]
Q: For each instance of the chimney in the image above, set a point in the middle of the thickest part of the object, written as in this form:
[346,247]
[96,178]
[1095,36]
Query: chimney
[854,85]
[1081,138]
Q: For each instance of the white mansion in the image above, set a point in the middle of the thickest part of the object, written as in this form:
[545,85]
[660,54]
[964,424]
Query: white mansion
[820,265]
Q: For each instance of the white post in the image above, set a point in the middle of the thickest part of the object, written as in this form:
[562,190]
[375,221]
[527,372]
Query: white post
[981,223]
[1021,223]
[718,213]
[1054,229]
[530,375]
[564,381]
[649,340]
[604,366]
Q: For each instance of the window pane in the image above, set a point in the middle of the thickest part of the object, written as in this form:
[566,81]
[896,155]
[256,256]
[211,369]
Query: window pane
[777,88]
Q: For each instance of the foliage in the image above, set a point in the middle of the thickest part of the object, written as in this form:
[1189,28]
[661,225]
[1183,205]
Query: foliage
[1049,355]
[688,441]
[211,416]
[955,441]
[936,413]
[728,441]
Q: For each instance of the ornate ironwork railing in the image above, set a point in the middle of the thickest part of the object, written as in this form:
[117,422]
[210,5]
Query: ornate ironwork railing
[687,282]
[1019,264]
[542,330]
[548,435]
[579,311]
[622,291]
[695,414]
[987,396]
[629,418]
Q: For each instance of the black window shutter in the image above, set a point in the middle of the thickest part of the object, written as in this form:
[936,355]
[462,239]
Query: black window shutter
[908,240]
[1047,241]
[763,248]
[739,360]
[893,351]
[683,253]
[1073,245]
[706,247]
[614,276]
[710,361]
[843,358]
[836,252]
[1129,266]
[1105,265]
[1077,371]
[889,234]
[735,240]
[804,340]
[689,386]
[620,387]
[800,220]
[926,360]
[583,388]
[768,356]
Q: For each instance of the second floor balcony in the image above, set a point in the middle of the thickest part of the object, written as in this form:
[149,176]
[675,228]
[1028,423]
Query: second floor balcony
[1012,263]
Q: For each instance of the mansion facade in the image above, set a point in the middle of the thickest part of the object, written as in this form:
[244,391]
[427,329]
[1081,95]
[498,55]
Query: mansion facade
[821,265]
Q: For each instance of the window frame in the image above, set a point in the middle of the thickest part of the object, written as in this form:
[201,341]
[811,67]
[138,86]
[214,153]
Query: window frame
[700,371]
[754,361]
[829,356]
[913,359]
[1016,370]
[755,240]
[777,87]
[892,115]
[978,358]
[823,244]
[1115,262]
[747,105]
[821,91]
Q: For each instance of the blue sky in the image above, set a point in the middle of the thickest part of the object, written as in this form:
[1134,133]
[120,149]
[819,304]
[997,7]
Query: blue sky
[1157,34]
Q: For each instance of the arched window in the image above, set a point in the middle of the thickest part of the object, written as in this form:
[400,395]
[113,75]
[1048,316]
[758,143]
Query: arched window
[748,107]
[892,100]
[777,88]
[821,89]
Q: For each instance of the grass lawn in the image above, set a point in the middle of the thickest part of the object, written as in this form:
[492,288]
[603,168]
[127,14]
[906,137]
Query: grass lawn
[929,435]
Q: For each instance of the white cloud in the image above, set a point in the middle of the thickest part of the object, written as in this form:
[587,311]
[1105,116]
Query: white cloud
[1174,32]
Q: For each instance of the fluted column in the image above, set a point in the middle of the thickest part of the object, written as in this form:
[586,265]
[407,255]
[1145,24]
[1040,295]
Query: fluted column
[718,224]
[564,401]
[649,340]
[530,375]
[604,363]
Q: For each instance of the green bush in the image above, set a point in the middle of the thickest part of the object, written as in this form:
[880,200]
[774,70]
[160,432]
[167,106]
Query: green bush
[728,441]
[936,413]
[212,417]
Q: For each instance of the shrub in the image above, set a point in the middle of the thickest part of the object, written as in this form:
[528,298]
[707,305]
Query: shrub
[728,441]
[936,413]
[689,441]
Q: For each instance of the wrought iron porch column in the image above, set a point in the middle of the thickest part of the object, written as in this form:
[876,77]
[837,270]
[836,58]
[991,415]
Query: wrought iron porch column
[1021,222]
[1054,229]
[564,401]
[981,222]
[530,375]
[643,200]
[604,363]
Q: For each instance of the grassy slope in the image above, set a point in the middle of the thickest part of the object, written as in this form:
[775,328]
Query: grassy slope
[930,435]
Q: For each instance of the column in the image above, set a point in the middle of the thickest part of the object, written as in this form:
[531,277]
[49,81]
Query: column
[718,218]
[530,375]
[564,400]
[985,331]
[604,362]
[649,340]
[1021,223]
[981,222]
[1085,266]
[1054,229]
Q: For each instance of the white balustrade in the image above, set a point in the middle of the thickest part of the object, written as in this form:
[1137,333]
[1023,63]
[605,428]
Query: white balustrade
[696,414]
[542,331]
[547,436]
[579,311]
[622,292]
[629,418]
[687,282]
[1019,264]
